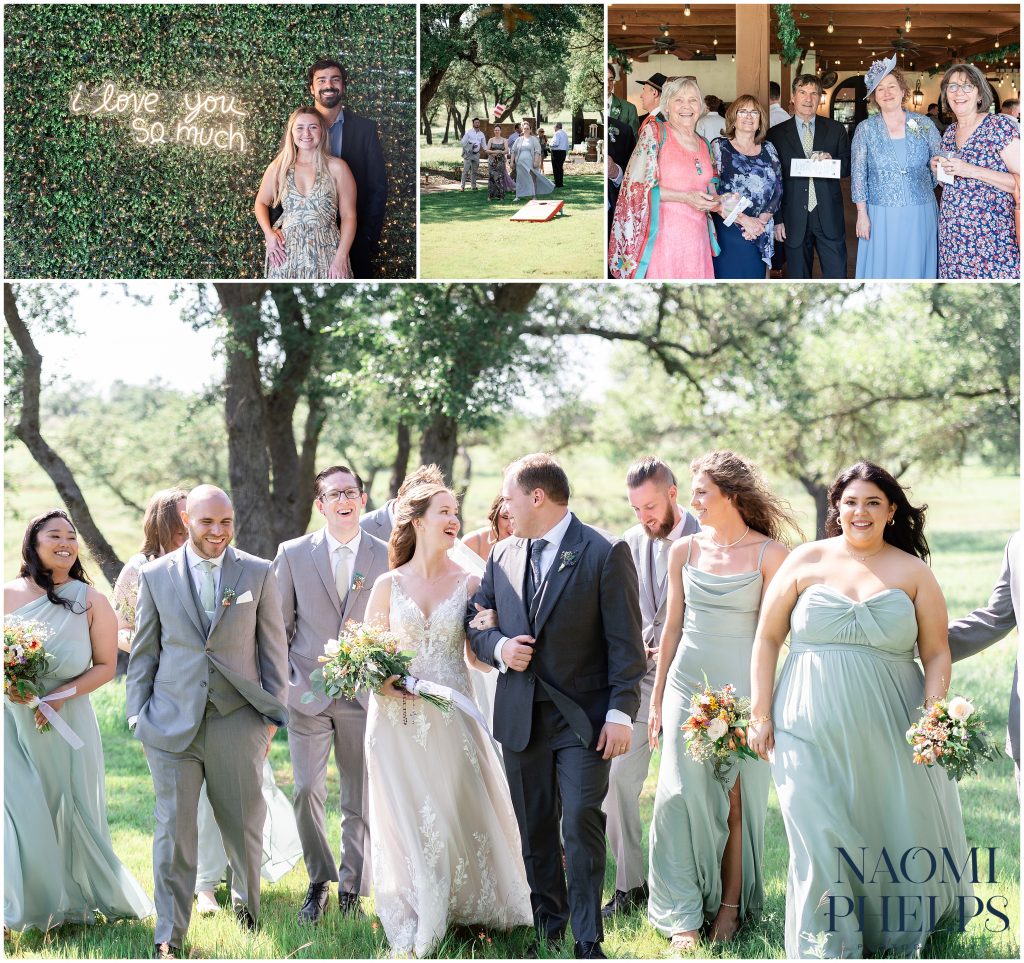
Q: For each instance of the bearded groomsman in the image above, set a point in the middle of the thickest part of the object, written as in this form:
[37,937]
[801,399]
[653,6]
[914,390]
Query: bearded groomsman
[325,580]
[205,690]
[651,488]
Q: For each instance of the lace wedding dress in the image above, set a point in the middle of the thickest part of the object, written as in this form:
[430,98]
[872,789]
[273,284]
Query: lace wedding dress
[446,845]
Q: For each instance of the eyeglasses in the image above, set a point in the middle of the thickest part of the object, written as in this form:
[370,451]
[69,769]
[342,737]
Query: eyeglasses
[966,88]
[748,113]
[349,494]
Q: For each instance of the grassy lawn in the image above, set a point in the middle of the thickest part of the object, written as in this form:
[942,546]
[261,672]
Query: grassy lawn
[462,234]
[971,514]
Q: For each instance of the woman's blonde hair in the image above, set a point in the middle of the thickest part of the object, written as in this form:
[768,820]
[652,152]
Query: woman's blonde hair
[162,522]
[287,153]
[676,86]
[747,101]
[410,506]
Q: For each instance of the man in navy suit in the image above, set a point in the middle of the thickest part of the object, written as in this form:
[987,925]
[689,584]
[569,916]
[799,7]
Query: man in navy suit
[354,139]
[811,216]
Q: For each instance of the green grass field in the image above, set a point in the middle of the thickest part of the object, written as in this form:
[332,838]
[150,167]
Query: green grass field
[462,234]
[971,514]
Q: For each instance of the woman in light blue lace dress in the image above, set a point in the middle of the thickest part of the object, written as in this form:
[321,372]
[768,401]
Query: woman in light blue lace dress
[854,605]
[893,185]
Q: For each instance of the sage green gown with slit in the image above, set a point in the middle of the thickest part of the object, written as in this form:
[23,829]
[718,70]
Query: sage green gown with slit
[59,864]
[690,828]
[846,778]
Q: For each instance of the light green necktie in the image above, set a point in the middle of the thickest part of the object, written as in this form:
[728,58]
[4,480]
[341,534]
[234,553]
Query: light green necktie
[208,589]
[341,573]
[808,142]
[661,560]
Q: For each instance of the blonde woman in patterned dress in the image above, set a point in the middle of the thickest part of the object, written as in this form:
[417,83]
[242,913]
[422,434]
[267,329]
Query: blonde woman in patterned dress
[446,847]
[313,188]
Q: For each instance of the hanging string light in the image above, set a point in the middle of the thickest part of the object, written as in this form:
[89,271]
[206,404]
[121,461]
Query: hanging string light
[906,23]
[831,27]
[686,10]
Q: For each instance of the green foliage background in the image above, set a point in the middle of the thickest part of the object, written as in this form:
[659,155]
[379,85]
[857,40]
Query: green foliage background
[82,199]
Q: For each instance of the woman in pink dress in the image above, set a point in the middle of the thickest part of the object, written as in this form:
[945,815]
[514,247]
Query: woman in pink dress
[661,227]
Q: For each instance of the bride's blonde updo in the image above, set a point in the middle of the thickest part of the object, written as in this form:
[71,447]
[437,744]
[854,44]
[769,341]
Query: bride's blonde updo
[410,506]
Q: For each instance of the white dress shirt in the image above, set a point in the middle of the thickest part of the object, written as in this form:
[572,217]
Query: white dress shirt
[776,115]
[352,544]
[560,141]
[195,568]
[547,556]
[473,136]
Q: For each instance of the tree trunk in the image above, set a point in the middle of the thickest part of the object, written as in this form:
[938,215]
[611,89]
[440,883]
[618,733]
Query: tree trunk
[517,96]
[447,126]
[248,444]
[429,89]
[28,431]
[818,490]
[403,449]
[439,444]
[426,130]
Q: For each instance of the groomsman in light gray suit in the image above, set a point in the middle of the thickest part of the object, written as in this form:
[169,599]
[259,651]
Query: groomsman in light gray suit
[380,521]
[205,692]
[651,488]
[325,580]
[977,631]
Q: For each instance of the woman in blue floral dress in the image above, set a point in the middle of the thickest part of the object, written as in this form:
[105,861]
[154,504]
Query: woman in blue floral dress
[977,233]
[893,185]
[749,166]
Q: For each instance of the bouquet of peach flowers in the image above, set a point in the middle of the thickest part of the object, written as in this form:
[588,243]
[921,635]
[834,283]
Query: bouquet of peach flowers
[716,729]
[951,734]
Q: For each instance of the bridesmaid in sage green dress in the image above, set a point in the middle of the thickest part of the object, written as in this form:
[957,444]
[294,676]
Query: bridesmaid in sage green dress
[59,864]
[854,604]
[706,841]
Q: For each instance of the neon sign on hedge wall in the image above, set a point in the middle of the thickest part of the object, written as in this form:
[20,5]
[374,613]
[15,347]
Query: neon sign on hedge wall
[195,118]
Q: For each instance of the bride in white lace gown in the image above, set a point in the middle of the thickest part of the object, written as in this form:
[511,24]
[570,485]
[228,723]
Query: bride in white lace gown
[446,846]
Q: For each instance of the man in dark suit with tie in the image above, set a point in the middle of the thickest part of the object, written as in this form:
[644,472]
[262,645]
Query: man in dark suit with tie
[811,216]
[354,139]
[568,645]
[621,144]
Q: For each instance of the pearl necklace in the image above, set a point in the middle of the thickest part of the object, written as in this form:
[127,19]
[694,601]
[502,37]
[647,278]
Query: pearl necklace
[730,544]
[861,558]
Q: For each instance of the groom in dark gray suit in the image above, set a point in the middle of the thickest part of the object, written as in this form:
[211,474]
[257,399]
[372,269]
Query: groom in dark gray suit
[325,580]
[205,691]
[984,626]
[568,645]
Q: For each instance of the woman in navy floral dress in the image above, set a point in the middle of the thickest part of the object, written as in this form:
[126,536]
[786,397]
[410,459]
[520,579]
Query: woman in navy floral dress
[977,233]
[749,166]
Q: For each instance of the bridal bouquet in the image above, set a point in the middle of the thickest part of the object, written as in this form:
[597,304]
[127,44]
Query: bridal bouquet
[951,734]
[716,728]
[25,658]
[362,659]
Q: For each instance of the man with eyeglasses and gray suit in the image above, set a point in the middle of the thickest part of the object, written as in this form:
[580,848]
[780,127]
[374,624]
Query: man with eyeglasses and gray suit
[325,579]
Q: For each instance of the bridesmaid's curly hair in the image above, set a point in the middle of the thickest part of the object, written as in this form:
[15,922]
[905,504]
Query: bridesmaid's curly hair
[907,529]
[741,481]
[410,506]
[32,565]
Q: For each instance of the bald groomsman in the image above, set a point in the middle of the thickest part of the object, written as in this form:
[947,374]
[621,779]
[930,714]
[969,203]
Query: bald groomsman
[651,488]
[325,580]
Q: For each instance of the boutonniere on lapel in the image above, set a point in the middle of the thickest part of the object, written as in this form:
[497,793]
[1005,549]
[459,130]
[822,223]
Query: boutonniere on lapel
[567,560]
[914,127]
[228,597]
[358,581]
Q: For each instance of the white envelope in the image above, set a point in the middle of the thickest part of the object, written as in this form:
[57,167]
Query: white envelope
[243,598]
[943,177]
[803,167]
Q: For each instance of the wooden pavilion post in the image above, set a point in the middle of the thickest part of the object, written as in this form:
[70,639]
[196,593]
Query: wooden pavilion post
[752,49]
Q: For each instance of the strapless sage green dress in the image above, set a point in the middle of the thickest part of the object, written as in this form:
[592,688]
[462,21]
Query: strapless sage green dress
[847,783]
[59,864]
[690,828]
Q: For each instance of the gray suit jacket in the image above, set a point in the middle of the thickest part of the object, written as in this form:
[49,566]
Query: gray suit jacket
[977,631]
[378,522]
[311,607]
[652,601]
[172,656]
[588,655]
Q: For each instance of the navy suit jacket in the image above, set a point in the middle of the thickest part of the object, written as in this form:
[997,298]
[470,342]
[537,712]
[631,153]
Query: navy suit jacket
[361,150]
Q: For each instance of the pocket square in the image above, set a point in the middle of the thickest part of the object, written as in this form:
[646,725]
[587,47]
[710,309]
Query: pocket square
[243,598]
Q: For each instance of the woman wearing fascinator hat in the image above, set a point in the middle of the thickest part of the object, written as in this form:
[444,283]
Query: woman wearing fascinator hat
[892,183]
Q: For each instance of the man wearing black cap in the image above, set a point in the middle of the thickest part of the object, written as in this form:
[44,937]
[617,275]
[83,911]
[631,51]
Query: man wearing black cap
[650,95]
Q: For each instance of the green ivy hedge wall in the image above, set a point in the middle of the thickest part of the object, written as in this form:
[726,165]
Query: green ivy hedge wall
[83,198]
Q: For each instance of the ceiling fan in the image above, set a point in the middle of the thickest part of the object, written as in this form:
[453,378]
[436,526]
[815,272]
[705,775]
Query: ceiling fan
[662,44]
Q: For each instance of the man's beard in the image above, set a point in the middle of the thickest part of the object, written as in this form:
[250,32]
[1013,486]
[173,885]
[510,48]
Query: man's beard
[329,98]
[667,523]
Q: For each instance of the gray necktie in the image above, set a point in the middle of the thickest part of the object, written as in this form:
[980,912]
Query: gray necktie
[661,560]
[536,548]
[207,588]
[341,573]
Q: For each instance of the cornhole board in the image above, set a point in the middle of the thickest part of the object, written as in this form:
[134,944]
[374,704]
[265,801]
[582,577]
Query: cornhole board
[538,211]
